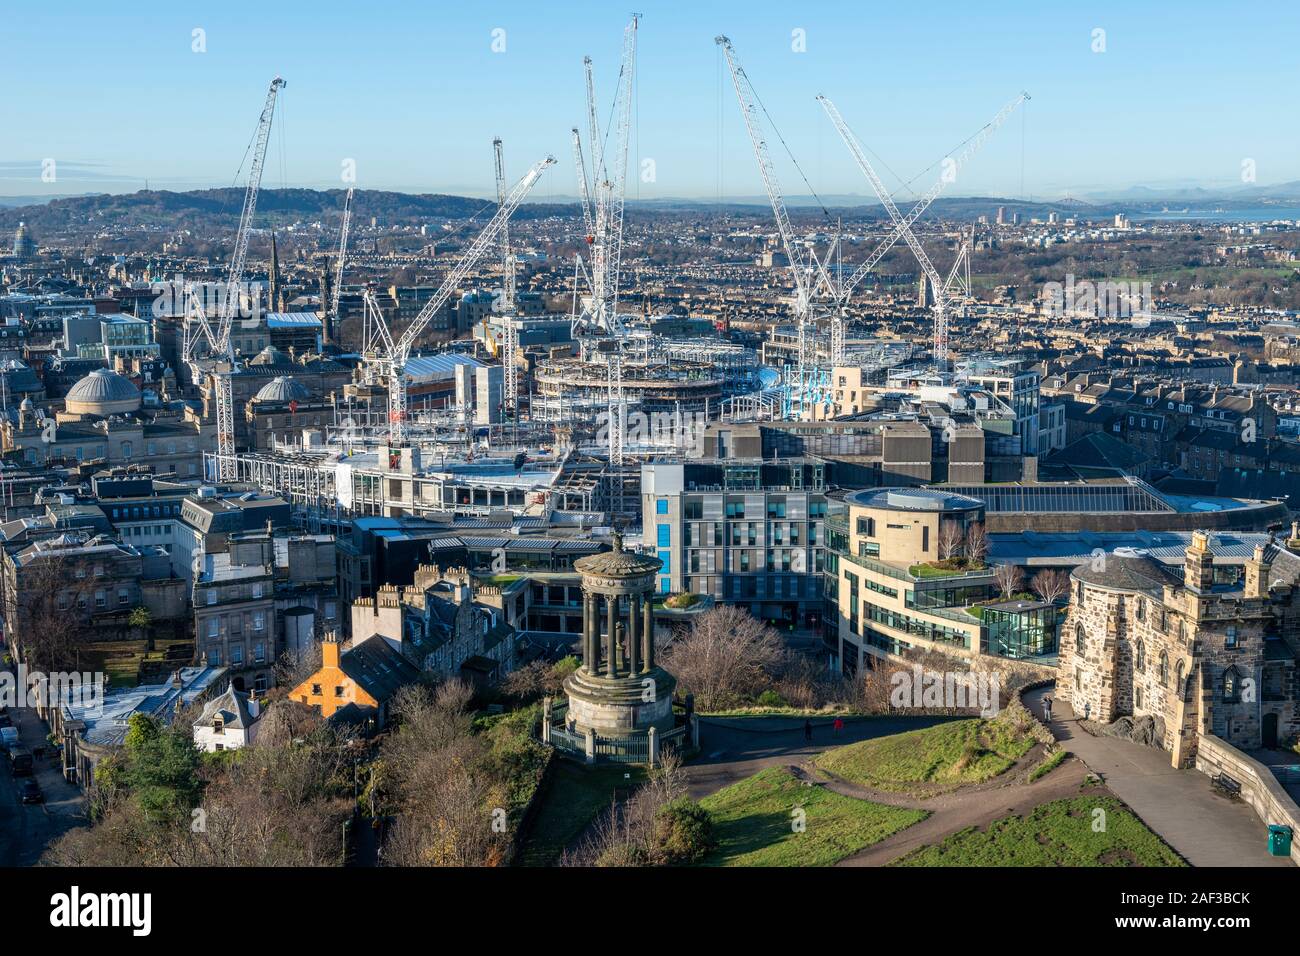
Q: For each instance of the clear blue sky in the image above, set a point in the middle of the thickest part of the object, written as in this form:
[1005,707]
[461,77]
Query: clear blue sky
[414,93]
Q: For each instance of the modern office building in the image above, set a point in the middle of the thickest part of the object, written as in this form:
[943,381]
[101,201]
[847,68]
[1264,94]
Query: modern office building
[747,532]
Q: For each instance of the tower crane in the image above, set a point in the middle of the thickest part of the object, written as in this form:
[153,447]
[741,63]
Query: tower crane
[509,334]
[802,268]
[231,302]
[391,354]
[903,224]
[602,197]
[333,315]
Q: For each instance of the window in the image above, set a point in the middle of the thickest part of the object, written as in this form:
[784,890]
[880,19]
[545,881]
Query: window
[237,654]
[1141,610]
[214,627]
[315,690]
[1178,676]
[123,596]
[1079,640]
[1230,637]
[1230,685]
[101,599]
[214,657]
[259,620]
[259,652]
[338,690]
[1139,657]
[661,506]
[1164,669]
[257,591]
[664,534]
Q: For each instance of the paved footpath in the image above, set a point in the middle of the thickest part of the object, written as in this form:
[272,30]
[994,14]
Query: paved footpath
[1206,827]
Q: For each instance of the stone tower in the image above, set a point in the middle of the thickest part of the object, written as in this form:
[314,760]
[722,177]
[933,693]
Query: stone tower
[619,691]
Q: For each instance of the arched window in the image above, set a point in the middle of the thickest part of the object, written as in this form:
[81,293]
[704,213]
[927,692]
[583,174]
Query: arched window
[1139,657]
[1178,676]
[1164,669]
[1229,684]
[1182,630]
[1141,610]
[1078,638]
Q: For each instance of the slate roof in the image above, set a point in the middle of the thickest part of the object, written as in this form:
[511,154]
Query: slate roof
[378,669]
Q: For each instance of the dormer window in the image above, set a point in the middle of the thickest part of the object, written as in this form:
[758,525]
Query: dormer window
[218,725]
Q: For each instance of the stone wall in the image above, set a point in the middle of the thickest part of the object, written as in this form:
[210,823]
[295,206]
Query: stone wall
[1259,787]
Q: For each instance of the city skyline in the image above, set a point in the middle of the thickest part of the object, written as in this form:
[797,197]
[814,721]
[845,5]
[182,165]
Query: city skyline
[428,90]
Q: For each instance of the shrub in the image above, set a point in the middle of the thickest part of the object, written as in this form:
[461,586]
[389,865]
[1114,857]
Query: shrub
[683,832]
[770,698]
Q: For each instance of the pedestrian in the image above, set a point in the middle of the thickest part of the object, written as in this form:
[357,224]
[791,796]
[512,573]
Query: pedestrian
[1047,708]
[839,725]
[807,730]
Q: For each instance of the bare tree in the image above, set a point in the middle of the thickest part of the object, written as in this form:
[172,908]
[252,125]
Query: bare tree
[47,599]
[1009,579]
[977,543]
[950,539]
[1050,585]
[724,656]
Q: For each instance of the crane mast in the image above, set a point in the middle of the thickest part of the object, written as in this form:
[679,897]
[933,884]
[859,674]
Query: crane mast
[342,258]
[395,356]
[509,334]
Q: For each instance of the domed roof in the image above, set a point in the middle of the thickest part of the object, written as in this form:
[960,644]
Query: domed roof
[617,563]
[284,388]
[1119,571]
[103,392]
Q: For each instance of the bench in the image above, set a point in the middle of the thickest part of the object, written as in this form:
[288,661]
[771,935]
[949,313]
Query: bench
[1227,784]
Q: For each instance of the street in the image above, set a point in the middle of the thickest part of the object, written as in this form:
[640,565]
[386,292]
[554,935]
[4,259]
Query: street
[26,830]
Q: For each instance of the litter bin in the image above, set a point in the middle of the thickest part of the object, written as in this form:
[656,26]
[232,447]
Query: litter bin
[1279,840]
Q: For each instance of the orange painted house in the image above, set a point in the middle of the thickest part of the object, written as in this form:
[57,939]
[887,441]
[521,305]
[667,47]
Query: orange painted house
[357,682]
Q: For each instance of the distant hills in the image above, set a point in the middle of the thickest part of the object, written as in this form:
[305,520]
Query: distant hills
[208,209]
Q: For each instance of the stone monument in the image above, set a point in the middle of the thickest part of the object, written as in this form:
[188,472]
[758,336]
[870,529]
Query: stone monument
[619,691]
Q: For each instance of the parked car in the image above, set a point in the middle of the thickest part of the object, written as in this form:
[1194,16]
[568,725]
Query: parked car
[31,792]
[20,760]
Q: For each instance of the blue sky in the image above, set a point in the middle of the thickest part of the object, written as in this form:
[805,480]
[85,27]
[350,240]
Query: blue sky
[414,93]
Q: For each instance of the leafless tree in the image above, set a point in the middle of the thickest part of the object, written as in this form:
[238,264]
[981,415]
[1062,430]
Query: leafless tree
[977,543]
[295,666]
[1009,579]
[1050,585]
[724,656]
[47,610]
[951,539]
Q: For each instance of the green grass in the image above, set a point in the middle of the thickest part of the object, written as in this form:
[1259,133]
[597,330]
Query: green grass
[1060,833]
[754,822]
[1050,763]
[955,753]
[943,569]
[574,796]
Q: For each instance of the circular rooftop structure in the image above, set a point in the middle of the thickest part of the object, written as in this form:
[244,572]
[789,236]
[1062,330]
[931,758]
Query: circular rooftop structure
[617,564]
[103,393]
[283,389]
[913,499]
[1125,569]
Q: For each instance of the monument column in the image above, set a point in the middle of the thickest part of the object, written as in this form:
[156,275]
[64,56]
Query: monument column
[611,605]
[588,618]
[648,635]
[633,632]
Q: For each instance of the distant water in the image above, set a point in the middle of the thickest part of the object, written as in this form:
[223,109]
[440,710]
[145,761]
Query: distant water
[1212,214]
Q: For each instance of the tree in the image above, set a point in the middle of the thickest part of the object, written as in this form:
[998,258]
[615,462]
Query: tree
[977,543]
[1050,585]
[950,539]
[724,657]
[1009,579]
